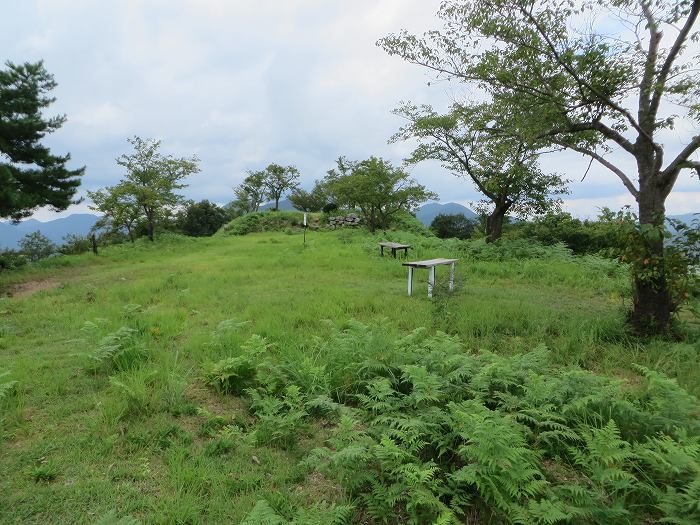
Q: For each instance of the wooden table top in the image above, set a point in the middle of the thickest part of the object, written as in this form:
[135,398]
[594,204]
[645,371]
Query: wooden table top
[430,262]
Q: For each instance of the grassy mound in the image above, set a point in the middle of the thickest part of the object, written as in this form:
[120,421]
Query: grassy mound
[268,221]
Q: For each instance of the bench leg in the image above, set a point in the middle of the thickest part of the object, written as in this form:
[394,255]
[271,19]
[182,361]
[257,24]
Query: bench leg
[410,280]
[393,252]
[452,277]
[382,249]
[431,282]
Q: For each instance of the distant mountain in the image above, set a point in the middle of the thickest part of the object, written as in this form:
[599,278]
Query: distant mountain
[428,212]
[78,224]
[284,205]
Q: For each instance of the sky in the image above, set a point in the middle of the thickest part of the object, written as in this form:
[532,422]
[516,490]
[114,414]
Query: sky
[244,83]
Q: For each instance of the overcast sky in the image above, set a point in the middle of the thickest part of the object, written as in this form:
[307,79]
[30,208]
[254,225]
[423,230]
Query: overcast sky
[244,83]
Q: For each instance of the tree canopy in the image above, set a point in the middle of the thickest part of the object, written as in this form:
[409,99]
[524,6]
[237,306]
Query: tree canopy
[504,169]
[30,175]
[377,188]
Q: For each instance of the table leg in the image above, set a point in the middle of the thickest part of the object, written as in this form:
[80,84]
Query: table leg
[410,280]
[393,252]
[382,249]
[431,282]
[452,277]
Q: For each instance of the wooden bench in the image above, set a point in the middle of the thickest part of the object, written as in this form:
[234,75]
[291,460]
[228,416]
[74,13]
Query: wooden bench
[430,264]
[394,246]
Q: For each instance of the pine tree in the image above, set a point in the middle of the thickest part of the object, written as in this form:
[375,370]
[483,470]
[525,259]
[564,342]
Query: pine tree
[30,176]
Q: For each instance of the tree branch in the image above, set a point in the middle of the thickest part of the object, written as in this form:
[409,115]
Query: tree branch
[672,55]
[617,171]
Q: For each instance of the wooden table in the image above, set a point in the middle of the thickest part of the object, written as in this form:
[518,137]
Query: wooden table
[430,264]
[394,246]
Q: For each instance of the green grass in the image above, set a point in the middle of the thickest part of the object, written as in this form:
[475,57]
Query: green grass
[80,438]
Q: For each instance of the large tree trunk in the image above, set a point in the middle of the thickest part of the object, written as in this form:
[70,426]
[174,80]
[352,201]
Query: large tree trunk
[652,301]
[494,223]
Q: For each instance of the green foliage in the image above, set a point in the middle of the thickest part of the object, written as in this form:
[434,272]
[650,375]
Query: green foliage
[310,201]
[376,188]
[430,431]
[36,246]
[235,374]
[453,226]
[74,244]
[319,514]
[202,218]
[503,168]
[277,180]
[11,260]
[119,351]
[7,387]
[112,518]
[263,221]
[30,176]
[152,179]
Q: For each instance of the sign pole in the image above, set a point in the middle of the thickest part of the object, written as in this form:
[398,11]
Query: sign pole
[305,226]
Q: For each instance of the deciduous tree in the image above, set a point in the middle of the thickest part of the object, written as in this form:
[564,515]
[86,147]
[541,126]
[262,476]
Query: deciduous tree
[503,168]
[279,180]
[153,178]
[377,188]
[587,91]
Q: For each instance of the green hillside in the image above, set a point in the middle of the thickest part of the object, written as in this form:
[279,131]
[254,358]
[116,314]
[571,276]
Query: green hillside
[255,378]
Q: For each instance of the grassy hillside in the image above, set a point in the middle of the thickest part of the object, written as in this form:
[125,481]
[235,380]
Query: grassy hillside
[128,372]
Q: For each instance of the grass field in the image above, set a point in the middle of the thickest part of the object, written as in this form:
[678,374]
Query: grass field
[80,440]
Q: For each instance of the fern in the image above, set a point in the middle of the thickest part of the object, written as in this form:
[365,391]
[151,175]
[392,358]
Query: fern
[7,388]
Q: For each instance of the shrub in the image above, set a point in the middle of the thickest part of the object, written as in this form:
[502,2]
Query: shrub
[453,226]
[11,260]
[75,244]
[36,246]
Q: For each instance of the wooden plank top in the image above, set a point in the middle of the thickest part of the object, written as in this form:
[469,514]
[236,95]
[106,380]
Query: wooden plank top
[430,262]
[394,245]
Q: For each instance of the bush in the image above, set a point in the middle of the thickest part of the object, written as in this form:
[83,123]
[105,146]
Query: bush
[36,246]
[453,226]
[75,244]
[200,219]
[12,259]
[407,222]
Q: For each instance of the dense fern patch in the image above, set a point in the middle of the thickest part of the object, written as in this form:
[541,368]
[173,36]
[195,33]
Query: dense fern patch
[426,431]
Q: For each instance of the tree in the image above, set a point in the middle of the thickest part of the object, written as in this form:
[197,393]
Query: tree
[250,193]
[36,246]
[453,226]
[377,188]
[311,201]
[30,176]
[119,208]
[588,92]
[200,219]
[152,178]
[278,180]
[504,169]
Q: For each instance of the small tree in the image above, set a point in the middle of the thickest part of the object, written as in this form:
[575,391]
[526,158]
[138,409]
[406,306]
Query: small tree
[453,226]
[504,169]
[36,246]
[250,194]
[278,180]
[30,175]
[201,218]
[377,188]
[311,201]
[152,179]
[119,208]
